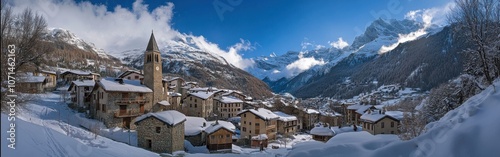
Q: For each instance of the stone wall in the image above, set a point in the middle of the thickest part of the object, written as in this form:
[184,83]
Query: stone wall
[170,138]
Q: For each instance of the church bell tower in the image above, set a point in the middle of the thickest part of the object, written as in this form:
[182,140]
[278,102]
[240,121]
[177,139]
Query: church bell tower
[153,70]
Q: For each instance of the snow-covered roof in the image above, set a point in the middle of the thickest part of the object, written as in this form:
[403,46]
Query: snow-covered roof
[79,83]
[376,116]
[322,131]
[216,125]
[127,86]
[363,108]
[175,94]
[171,117]
[230,99]
[260,137]
[172,79]
[164,103]
[311,111]
[49,72]
[332,114]
[31,79]
[203,94]
[79,72]
[262,113]
[125,73]
[285,117]
[193,126]
[353,107]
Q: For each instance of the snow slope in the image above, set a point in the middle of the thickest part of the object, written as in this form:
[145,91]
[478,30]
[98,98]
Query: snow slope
[469,130]
[42,141]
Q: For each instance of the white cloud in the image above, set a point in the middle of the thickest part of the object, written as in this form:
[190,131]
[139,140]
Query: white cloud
[413,15]
[302,64]
[319,47]
[339,44]
[122,29]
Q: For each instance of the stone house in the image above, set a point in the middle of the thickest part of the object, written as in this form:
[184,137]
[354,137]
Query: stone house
[193,130]
[199,103]
[50,76]
[228,106]
[80,92]
[322,132]
[258,121]
[117,102]
[73,75]
[309,118]
[30,84]
[161,132]
[331,118]
[286,124]
[354,113]
[236,94]
[378,122]
[175,84]
[131,75]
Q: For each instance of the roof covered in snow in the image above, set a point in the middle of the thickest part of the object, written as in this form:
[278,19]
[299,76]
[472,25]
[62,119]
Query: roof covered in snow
[170,117]
[230,99]
[362,109]
[125,73]
[164,103]
[216,125]
[128,86]
[89,83]
[79,72]
[31,79]
[311,111]
[376,116]
[193,125]
[260,137]
[262,113]
[285,117]
[321,130]
[203,94]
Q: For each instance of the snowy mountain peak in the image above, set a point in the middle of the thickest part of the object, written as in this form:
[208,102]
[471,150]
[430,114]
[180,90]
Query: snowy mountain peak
[59,34]
[383,28]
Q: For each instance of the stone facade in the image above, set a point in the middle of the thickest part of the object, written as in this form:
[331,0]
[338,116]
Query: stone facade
[227,110]
[157,136]
[198,107]
[253,125]
[287,127]
[118,109]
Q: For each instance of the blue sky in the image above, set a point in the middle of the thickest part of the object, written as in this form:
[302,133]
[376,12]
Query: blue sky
[240,30]
[281,25]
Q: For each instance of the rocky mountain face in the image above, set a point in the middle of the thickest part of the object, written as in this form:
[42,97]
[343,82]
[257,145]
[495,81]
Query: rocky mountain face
[71,52]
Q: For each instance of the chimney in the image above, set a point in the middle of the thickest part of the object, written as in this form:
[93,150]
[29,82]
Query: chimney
[380,111]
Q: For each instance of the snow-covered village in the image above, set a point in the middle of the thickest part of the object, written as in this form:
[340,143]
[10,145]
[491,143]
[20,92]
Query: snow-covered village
[216,78]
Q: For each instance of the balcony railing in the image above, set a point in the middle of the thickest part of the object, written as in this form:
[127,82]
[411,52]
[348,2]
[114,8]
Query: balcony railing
[128,113]
[130,100]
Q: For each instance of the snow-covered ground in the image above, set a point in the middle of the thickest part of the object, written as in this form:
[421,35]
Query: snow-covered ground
[470,130]
[44,129]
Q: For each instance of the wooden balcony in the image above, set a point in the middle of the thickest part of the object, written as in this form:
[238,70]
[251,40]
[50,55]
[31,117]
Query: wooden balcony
[269,127]
[128,113]
[128,101]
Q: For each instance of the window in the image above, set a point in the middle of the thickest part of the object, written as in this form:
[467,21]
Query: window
[195,100]
[249,123]
[244,122]
[382,124]
[158,129]
[102,95]
[244,129]
[103,108]
[392,124]
[245,115]
[128,77]
[190,98]
[257,124]
[221,136]
[136,77]
[227,135]
[195,105]
[250,131]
